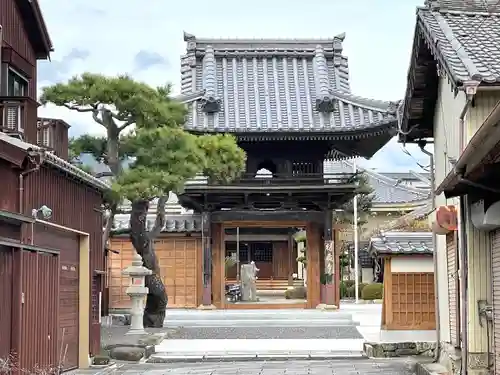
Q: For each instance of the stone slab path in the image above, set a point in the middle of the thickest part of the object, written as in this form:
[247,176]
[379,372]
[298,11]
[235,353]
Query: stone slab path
[329,367]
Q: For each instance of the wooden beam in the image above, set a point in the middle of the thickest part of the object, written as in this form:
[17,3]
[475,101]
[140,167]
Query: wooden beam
[247,217]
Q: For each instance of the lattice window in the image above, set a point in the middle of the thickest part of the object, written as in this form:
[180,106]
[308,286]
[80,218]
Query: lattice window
[300,168]
[96,289]
[44,135]
[12,117]
[261,252]
[231,251]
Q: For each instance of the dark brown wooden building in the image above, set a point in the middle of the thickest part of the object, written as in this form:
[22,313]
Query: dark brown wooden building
[51,252]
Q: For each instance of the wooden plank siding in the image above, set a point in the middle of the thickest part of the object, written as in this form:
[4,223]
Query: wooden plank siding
[180,259]
[74,205]
[6,281]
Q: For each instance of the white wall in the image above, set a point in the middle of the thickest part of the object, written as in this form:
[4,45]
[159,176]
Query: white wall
[412,264]
[446,145]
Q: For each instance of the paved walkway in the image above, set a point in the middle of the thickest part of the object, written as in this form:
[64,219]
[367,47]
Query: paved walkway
[333,367]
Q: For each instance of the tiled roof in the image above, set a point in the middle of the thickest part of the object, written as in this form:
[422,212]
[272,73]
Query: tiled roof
[266,85]
[174,223]
[401,243]
[464,36]
[56,161]
[386,189]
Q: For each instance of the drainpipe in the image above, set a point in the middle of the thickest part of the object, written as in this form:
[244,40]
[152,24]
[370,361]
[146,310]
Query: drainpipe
[464,215]
[434,246]
[21,186]
[23,174]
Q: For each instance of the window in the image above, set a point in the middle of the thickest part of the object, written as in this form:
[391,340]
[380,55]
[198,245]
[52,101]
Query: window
[17,84]
[44,137]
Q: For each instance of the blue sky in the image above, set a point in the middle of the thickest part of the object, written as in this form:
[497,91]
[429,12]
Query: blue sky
[144,39]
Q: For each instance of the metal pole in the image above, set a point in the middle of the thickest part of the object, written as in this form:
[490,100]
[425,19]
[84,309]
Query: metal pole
[356,244]
[237,255]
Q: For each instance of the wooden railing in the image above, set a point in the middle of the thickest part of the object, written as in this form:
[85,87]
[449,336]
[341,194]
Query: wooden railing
[13,114]
[279,180]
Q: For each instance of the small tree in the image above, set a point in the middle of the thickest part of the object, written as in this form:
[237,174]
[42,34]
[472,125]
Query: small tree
[145,125]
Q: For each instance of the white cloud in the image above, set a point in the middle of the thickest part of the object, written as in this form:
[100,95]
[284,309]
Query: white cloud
[378,42]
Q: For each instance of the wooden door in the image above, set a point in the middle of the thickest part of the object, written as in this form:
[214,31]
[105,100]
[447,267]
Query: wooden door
[181,267]
[495,260]
[413,301]
[69,303]
[282,266]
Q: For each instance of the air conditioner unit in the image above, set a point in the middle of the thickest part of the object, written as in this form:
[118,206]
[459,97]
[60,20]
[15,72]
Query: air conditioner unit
[485,219]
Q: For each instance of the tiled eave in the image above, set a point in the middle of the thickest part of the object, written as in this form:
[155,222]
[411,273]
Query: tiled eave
[401,243]
[183,223]
[50,159]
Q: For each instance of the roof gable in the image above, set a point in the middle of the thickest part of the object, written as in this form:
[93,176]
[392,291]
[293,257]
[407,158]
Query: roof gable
[274,85]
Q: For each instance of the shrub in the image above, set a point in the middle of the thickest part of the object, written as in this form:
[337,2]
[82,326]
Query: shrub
[298,292]
[343,290]
[350,291]
[348,283]
[372,291]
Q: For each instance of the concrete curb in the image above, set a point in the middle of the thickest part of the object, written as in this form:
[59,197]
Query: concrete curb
[255,357]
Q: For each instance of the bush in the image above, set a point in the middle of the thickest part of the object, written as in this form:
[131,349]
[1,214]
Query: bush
[348,283]
[350,290]
[372,291]
[298,292]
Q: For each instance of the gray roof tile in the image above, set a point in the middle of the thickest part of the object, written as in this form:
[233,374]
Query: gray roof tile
[386,189]
[464,36]
[401,243]
[274,85]
[174,223]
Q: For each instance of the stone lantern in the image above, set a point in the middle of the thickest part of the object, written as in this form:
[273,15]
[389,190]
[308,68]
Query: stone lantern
[137,291]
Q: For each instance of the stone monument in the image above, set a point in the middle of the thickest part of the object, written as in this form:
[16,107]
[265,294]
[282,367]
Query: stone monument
[137,292]
[248,282]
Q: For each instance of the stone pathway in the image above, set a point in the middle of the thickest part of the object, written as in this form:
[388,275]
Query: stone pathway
[330,367]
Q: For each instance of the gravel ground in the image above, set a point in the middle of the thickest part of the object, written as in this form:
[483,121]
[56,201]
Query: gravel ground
[333,367]
[342,332]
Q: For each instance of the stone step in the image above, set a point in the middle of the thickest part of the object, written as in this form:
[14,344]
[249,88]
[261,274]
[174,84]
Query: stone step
[260,323]
[242,357]
[237,315]
[256,349]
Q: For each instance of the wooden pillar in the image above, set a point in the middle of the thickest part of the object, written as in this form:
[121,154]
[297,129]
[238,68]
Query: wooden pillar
[218,274]
[290,260]
[329,272]
[337,248]
[313,234]
[206,243]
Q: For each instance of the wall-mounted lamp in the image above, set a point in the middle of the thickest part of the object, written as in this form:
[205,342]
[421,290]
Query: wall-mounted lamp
[44,211]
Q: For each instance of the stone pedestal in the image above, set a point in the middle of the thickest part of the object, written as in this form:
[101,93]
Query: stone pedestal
[137,292]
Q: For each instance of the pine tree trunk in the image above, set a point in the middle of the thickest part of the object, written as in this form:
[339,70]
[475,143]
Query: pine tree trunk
[157,299]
